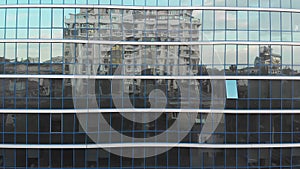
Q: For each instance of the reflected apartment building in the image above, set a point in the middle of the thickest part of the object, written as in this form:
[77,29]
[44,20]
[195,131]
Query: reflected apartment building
[130,86]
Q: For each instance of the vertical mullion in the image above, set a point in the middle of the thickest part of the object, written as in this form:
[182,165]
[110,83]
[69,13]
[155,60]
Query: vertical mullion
[225,117]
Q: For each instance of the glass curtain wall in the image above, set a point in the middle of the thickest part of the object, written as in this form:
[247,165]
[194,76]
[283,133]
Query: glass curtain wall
[149,84]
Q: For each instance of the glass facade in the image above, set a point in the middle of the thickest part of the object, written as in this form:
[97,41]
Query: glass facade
[149,84]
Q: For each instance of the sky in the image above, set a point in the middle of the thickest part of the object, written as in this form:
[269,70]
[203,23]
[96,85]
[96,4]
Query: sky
[215,25]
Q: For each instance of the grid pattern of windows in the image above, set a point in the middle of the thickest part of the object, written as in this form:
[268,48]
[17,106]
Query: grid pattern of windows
[149,84]
[293,4]
[97,158]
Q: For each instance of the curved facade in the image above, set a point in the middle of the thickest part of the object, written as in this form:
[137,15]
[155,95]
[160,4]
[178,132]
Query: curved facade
[140,84]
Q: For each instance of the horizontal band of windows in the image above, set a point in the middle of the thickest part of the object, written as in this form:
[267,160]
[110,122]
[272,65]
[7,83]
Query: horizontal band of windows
[149,110]
[148,43]
[147,145]
[155,7]
[122,77]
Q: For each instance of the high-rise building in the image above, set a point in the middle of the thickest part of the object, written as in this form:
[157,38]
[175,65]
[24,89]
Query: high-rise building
[149,84]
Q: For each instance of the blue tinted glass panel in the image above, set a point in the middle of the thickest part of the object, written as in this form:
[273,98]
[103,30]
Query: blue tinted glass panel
[231,89]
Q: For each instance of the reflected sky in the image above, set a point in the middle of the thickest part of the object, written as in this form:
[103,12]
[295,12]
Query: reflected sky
[241,3]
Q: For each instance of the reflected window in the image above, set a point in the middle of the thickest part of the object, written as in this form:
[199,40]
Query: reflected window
[231,89]
[19,85]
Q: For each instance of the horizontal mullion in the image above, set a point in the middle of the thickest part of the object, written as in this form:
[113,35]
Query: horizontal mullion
[152,7]
[149,145]
[123,77]
[150,110]
[101,42]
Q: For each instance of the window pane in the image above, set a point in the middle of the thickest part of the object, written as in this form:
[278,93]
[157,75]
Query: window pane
[231,89]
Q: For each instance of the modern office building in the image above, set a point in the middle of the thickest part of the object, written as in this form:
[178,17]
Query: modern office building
[149,84]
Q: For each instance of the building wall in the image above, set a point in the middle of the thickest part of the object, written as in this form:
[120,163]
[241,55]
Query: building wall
[143,84]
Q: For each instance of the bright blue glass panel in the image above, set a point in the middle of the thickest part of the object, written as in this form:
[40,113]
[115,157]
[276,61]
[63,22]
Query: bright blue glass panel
[231,89]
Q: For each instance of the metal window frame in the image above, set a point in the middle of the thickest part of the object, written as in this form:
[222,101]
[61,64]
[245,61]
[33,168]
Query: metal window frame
[149,145]
[149,110]
[113,77]
[152,7]
[101,42]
